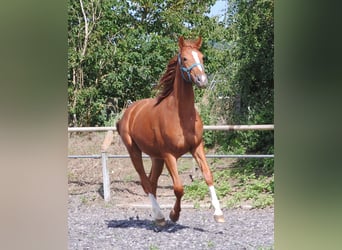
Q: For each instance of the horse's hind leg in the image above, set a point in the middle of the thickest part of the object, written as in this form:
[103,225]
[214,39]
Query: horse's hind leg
[136,158]
[198,154]
[148,187]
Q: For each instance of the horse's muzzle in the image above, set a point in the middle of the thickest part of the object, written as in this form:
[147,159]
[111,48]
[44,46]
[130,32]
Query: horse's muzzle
[201,80]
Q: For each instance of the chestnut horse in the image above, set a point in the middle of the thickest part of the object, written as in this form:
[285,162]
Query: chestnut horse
[168,126]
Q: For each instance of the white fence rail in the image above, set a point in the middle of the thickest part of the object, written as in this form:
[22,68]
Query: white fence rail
[205,127]
[109,138]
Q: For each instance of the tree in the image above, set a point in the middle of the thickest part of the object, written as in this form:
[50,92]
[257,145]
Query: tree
[119,49]
[243,93]
[254,54]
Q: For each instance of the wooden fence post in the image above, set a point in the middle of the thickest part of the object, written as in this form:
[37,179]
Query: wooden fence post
[104,157]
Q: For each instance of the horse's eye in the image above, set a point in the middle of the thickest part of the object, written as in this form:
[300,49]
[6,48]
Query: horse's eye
[184,59]
[204,58]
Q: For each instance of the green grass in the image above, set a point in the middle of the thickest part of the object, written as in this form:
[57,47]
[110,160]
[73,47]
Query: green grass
[197,205]
[235,188]
[265,248]
[84,200]
[184,165]
[258,190]
[128,178]
[210,244]
[153,247]
[196,191]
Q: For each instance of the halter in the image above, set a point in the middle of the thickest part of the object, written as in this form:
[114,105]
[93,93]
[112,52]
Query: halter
[187,70]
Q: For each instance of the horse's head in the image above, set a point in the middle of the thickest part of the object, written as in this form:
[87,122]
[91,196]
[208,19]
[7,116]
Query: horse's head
[190,61]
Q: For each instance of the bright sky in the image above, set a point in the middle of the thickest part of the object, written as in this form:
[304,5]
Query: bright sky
[218,8]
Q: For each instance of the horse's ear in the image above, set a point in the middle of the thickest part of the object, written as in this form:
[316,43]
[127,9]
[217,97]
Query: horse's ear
[199,42]
[181,42]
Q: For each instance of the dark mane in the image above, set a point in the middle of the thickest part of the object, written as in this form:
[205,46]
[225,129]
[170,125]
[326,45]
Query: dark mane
[165,86]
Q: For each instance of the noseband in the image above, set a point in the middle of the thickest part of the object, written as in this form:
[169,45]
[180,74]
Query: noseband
[187,70]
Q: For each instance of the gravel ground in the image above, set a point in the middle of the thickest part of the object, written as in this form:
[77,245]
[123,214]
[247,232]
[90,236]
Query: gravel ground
[96,225]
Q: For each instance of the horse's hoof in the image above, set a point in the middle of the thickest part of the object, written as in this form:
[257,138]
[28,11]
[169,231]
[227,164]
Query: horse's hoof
[173,216]
[160,222]
[219,218]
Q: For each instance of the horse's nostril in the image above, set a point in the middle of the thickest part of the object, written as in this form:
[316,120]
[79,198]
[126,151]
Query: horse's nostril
[201,80]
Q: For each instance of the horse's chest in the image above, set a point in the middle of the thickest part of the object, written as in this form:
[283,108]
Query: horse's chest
[179,133]
[181,139]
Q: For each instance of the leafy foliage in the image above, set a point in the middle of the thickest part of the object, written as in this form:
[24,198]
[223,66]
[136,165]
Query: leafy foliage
[243,92]
[119,49]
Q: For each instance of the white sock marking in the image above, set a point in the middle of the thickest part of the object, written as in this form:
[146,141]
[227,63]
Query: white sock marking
[197,60]
[214,201]
[156,212]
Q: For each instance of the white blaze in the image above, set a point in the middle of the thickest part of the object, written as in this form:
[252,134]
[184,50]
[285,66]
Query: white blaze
[197,60]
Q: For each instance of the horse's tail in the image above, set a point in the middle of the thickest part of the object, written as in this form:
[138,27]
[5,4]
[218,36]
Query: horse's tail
[118,127]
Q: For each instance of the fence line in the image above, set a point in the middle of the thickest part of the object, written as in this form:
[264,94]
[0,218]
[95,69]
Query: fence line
[109,138]
[205,127]
[98,156]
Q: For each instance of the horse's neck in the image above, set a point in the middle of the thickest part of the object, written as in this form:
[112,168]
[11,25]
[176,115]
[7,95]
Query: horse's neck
[185,98]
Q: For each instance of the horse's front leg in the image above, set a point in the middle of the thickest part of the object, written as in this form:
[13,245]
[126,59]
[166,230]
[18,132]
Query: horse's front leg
[199,155]
[156,170]
[171,164]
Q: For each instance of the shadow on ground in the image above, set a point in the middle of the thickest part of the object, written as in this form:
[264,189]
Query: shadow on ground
[170,226]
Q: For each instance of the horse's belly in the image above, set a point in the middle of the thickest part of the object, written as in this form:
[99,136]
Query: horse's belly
[156,143]
[179,143]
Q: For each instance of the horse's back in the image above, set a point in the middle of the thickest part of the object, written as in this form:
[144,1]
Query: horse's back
[131,113]
[134,119]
